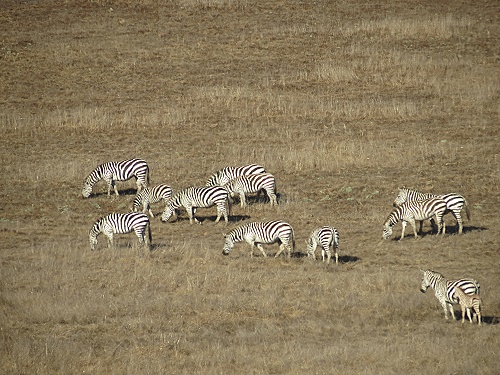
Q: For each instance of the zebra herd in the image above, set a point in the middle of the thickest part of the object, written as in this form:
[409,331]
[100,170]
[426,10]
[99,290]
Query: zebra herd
[221,186]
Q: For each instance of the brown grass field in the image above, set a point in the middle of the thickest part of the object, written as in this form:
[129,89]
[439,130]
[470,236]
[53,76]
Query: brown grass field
[343,101]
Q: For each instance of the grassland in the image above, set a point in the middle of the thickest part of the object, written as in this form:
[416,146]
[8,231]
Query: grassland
[342,101]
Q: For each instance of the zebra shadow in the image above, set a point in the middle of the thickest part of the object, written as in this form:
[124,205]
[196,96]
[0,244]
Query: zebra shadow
[466,229]
[348,259]
[493,320]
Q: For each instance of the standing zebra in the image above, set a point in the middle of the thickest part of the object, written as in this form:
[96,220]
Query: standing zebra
[454,203]
[467,302]
[258,233]
[117,171]
[194,197]
[151,195]
[226,174]
[116,223]
[415,210]
[326,237]
[252,183]
[445,289]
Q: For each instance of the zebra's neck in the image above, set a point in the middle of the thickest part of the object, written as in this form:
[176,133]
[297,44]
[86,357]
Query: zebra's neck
[95,176]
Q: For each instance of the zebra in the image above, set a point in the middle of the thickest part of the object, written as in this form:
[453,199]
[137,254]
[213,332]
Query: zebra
[445,289]
[416,210]
[326,237]
[252,183]
[258,233]
[226,174]
[150,195]
[117,171]
[468,301]
[454,203]
[194,197]
[116,223]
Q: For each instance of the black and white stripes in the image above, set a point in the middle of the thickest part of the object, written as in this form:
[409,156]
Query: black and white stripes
[151,195]
[252,183]
[445,289]
[195,197]
[454,203]
[117,223]
[258,233]
[223,176]
[117,171]
[325,237]
[411,211]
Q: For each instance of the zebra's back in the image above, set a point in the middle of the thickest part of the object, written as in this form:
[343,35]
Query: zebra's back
[224,175]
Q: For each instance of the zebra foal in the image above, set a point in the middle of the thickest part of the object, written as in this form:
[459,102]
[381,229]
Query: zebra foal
[468,302]
[445,289]
[252,183]
[195,197]
[326,237]
[258,233]
[150,195]
[117,223]
[454,203]
[117,171]
[224,175]
[411,211]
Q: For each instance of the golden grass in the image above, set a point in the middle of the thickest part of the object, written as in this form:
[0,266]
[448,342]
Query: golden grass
[342,102]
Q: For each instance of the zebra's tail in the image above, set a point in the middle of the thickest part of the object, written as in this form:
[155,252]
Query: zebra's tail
[467,211]
[150,236]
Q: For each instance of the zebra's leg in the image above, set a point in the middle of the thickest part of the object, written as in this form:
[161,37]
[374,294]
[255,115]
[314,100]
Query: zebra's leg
[468,314]
[463,313]
[452,311]
[259,246]
[478,314]
[458,217]
[243,201]
[403,226]
[336,255]
[445,308]
[282,246]
[414,227]
[328,256]
[272,197]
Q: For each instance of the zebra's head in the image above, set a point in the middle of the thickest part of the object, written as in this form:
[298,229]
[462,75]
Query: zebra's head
[167,213]
[401,198]
[387,231]
[426,280]
[228,245]
[87,189]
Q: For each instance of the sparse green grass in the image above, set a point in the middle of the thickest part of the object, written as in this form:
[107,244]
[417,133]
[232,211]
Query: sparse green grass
[343,102]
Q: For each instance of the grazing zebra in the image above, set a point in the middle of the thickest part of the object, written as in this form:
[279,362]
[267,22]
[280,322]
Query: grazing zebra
[258,233]
[117,171]
[415,210]
[445,289]
[326,237]
[116,223]
[151,195]
[252,183]
[194,197]
[224,175]
[468,301]
[454,203]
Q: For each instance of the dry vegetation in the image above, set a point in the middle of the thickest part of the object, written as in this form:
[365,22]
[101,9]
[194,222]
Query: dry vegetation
[343,101]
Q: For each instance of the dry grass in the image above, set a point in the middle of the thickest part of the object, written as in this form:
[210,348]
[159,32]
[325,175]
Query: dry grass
[343,102]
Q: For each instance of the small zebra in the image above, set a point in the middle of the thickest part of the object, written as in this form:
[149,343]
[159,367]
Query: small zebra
[258,233]
[445,289]
[454,203]
[117,171]
[151,195]
[223,176]
[252,183]
[415,210]
[467,302]
[194,197]
[326,237]
[116,223]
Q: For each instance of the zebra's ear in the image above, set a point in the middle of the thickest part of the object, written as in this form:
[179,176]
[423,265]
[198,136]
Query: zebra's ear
[224,234]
